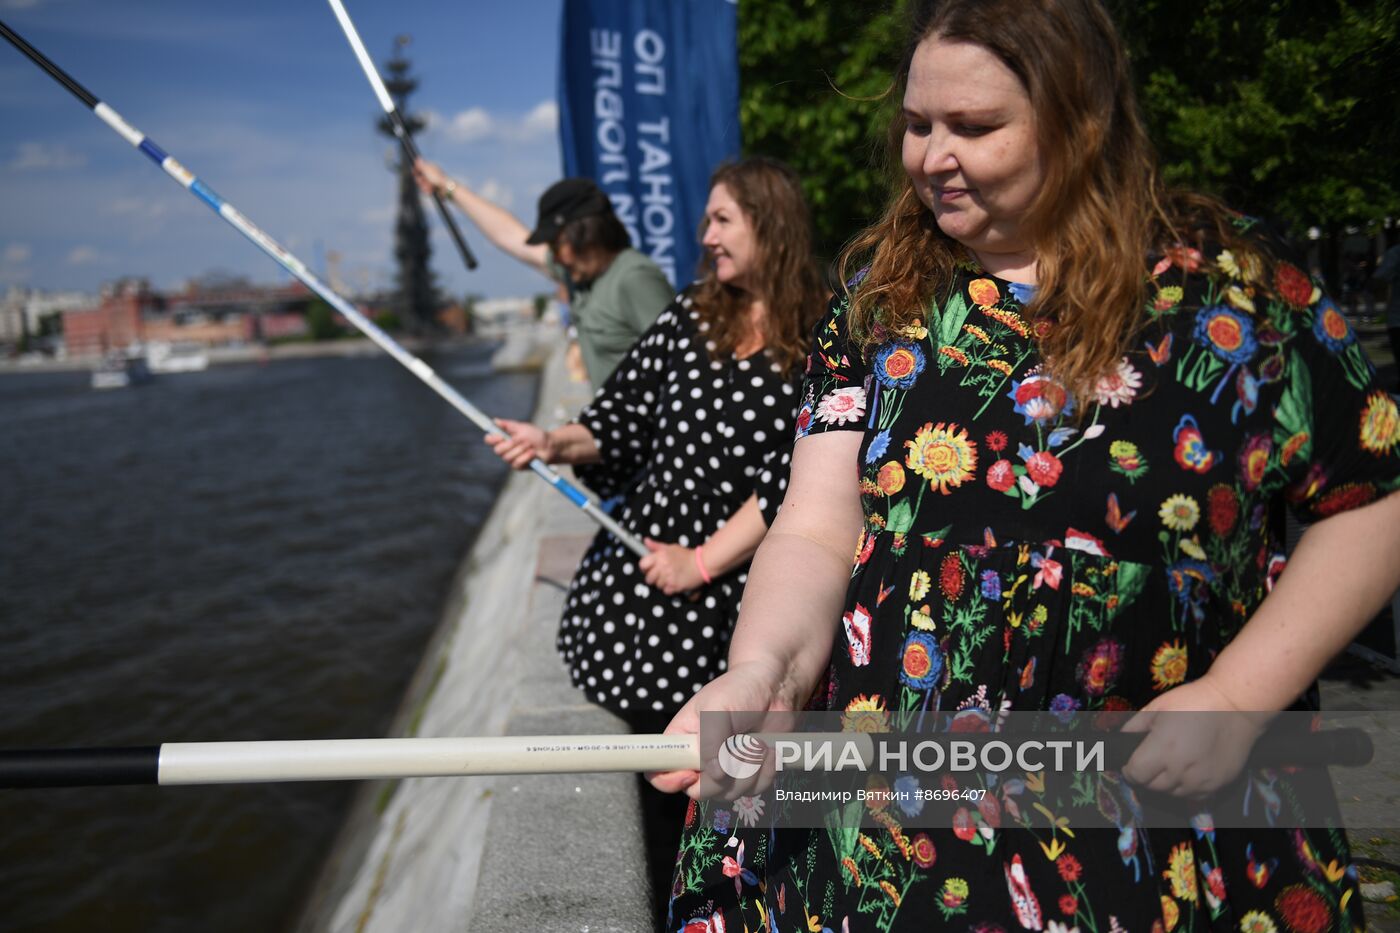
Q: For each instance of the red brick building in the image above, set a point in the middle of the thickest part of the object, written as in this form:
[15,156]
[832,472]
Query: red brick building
[131,314]
[115,324]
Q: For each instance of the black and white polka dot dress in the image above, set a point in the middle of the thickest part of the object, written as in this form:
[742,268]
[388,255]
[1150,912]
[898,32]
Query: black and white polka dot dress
[687,441]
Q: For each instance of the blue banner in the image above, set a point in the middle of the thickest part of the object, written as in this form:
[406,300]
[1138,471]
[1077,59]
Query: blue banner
[649,105]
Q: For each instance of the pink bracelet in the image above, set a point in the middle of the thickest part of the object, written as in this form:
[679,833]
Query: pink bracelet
[700,565]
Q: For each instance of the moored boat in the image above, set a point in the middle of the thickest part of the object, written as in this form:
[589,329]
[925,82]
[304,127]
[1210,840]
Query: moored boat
[118,371]
[179,357]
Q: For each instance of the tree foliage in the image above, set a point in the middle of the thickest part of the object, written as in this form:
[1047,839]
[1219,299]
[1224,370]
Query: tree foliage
[320,321]
[1285,108]
[815,81]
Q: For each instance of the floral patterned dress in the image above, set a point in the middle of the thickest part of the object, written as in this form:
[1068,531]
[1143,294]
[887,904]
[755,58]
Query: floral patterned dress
[1025,549]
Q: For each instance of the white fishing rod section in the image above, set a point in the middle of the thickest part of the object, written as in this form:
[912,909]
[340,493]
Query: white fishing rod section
[295,266]
[396,121]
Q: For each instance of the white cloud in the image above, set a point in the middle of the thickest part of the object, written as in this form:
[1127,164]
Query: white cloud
[471,126]
[492,190]
[16,254]
[542,121]
[84,256]
[478,125]
[31,157]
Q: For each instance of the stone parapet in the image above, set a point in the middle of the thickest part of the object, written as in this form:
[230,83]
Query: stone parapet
[539,852]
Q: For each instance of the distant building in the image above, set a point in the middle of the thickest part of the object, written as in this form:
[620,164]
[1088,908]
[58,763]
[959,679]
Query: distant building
[454,319]
[24,310]
[495,317]
[211,312]
[222,311]
[12,324]
[116,324]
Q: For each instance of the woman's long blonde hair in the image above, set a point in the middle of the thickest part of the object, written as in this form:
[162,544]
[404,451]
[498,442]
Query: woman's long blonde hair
[1101,210]
[784,275]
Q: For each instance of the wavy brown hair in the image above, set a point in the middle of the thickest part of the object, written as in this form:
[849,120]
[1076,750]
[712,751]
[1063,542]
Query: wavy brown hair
[1101,211]
[784,275]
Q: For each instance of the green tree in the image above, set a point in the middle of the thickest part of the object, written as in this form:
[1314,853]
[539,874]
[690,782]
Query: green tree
[1284,108]
[320,321]
[815,78]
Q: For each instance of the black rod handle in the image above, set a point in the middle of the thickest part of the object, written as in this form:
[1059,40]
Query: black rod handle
[410,151]
[79,767]
[55,72]
[457,237]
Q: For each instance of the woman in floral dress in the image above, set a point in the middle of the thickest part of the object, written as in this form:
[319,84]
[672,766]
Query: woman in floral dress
[1082,405]
[693,430]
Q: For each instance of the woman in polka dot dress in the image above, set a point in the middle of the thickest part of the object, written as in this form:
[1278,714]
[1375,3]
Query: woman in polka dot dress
[694,430]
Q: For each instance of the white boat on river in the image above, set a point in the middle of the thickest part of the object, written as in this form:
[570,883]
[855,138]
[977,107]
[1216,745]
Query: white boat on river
[180,357]
[118,371]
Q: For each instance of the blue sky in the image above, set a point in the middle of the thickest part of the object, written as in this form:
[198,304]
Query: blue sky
[263,100]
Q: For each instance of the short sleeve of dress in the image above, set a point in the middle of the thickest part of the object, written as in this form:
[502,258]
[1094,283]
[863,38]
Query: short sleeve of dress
[1336,433]
[836,383]
[622,415]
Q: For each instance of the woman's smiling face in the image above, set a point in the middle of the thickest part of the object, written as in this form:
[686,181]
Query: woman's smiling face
[729,238]
[970,148]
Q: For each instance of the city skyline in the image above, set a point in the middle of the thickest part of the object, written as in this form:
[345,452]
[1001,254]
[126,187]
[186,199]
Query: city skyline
[265,103]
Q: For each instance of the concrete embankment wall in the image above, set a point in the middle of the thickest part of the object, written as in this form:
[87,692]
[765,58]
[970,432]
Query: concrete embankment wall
[541,852]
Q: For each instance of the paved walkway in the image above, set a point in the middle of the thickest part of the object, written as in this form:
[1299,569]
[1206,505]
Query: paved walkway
[1370,796]
[1372,335]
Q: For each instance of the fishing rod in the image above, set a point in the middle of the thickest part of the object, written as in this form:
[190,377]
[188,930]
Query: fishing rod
[372,759]
[295,266]
[345,760]
[397,122]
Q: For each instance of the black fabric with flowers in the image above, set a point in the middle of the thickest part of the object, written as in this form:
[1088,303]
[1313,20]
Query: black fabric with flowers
[686,440]
[1027,550]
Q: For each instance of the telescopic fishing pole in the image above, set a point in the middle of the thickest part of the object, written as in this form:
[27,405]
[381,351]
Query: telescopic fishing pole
[397,122]
[373,759]
[345,760]
[295,266]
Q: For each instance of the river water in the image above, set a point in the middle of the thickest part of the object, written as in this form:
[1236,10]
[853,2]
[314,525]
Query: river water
[250,552]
